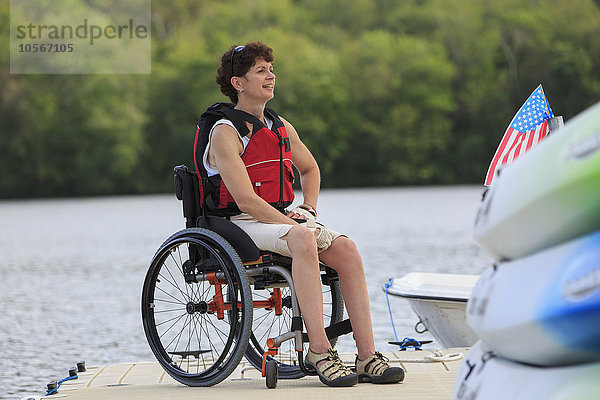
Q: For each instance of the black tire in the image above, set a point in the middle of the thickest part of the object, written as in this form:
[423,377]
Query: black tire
[266,324]
[194,344]
[271,374]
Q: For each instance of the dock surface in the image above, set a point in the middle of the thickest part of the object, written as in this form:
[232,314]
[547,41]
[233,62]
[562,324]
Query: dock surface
[429,375]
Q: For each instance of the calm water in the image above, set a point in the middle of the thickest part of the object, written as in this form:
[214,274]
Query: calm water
[71,271]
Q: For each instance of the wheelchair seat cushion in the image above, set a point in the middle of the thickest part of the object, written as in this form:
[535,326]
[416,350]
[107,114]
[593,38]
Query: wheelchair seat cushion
[267,237]
[241,242]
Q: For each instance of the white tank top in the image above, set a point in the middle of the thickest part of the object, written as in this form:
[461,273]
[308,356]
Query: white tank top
[210,170]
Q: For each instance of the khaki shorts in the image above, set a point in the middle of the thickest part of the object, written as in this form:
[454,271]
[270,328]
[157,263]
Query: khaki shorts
[268,236]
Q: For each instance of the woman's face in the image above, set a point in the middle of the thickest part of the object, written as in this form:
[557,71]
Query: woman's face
[259,81]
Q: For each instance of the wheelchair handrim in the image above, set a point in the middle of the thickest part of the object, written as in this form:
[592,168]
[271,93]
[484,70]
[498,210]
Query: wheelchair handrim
[149,321]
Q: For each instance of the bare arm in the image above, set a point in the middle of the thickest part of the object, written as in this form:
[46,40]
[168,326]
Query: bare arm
[310,176]
[226,148]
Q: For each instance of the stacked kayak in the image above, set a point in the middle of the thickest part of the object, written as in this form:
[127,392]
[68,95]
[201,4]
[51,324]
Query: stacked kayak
[543,309]
[483,376]
[537,310]
[547,196]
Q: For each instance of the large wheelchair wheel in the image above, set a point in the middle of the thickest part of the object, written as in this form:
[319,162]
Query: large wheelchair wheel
[267,324]
[197,307]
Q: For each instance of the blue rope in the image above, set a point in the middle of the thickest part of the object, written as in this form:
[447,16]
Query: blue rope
[55,390]
[406,342]
[387,298]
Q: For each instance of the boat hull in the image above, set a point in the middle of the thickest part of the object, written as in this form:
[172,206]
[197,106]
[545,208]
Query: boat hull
[439,300]
[445,320]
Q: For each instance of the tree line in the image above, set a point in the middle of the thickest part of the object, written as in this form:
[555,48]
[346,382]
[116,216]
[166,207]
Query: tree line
[383,92]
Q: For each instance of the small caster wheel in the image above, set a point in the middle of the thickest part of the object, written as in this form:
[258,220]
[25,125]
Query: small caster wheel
[271,374]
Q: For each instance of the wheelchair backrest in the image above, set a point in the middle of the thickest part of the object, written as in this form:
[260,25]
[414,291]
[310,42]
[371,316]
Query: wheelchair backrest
[187,190]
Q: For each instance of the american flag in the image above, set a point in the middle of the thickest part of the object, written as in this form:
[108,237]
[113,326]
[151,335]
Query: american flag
[527,128]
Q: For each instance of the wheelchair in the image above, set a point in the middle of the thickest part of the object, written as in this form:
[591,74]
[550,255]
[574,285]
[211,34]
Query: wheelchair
[211,297]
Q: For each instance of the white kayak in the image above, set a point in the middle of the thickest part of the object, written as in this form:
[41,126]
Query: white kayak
[485,376]
[546,196]
[543,309]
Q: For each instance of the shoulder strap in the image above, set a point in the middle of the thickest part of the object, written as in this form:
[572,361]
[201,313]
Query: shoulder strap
[225,110]
[277,122]
[247,117]
[239,117]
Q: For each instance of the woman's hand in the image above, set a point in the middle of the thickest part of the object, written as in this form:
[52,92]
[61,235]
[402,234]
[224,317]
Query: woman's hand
[304,213]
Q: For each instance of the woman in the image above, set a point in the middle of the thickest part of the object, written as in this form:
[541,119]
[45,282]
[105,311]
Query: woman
[254,190]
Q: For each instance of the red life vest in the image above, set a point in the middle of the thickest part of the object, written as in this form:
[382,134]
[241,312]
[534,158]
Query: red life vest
[267,157]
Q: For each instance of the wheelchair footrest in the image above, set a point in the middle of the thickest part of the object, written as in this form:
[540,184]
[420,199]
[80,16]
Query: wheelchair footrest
[335,330]
[186,354]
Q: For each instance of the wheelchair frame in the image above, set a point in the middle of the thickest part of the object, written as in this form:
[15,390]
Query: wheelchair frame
[199,284]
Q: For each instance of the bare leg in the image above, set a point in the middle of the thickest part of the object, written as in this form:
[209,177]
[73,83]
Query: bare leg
[343,256]
[307,283]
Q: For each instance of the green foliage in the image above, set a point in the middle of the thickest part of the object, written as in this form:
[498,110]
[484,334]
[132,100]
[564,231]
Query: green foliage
[383,92]
[402,87]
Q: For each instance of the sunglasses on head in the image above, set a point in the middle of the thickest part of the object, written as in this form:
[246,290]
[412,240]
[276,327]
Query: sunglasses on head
[236,50]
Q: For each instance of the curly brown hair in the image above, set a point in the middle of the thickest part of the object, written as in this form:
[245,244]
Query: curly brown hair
[243,60]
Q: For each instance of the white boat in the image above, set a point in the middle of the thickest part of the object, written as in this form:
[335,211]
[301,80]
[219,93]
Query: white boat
[440,301]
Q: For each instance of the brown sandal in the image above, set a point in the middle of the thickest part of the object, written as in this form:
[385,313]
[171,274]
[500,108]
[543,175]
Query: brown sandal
[331,370]
[376,369]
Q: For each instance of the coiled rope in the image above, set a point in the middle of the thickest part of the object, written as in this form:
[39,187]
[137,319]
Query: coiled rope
[435,356]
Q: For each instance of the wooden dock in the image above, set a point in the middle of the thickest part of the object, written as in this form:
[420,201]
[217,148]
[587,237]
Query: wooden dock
[429,375]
